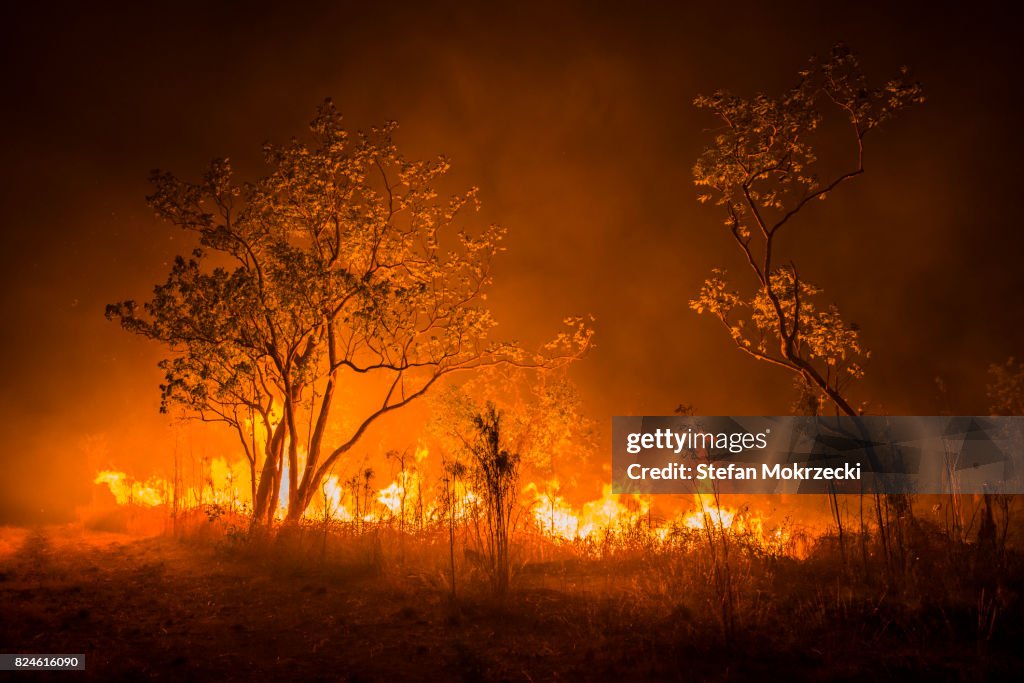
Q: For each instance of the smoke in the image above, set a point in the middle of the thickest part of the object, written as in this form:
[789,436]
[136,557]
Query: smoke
[576,124]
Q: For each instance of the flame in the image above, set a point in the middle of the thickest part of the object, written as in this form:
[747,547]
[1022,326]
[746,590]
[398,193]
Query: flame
[128,491]
[555,517]
[402,500]
[465,504]
[709,514]
[219,483]
[333,502]
[609,512]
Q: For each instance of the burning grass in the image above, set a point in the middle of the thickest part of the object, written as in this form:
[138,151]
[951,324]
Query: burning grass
[319,601]
[398,582]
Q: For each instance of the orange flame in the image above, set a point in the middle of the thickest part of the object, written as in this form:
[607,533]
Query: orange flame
[552,515]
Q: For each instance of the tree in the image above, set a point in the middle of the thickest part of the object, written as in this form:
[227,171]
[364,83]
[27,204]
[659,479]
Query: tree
[494,473]
[543,421]
[761,169]
[341,267]
[490,430]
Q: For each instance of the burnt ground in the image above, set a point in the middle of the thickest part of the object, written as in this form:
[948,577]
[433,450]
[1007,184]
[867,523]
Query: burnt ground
[163,609]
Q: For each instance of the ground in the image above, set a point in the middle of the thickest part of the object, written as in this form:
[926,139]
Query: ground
[159,608]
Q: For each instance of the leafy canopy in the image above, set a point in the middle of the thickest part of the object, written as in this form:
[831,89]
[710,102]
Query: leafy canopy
[342,263]
[762,168]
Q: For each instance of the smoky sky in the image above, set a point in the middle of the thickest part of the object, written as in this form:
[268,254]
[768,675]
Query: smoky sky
[575,121]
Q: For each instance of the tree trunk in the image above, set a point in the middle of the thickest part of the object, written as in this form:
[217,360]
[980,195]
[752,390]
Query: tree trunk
[293,452]
[265,494]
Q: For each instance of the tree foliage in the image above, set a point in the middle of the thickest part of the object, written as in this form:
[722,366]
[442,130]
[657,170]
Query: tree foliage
[542,420]
[762,168]
[495,471]
[342,265]
[1006,388]
[496,426]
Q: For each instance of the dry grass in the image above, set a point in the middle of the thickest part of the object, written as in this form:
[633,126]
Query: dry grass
[327,603]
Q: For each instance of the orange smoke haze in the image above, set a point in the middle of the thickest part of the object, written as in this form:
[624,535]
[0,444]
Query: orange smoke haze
[577,125]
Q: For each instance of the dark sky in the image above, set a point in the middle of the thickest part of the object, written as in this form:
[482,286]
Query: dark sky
[577,125]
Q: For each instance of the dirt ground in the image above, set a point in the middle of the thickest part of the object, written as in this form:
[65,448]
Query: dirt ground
[160,609]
